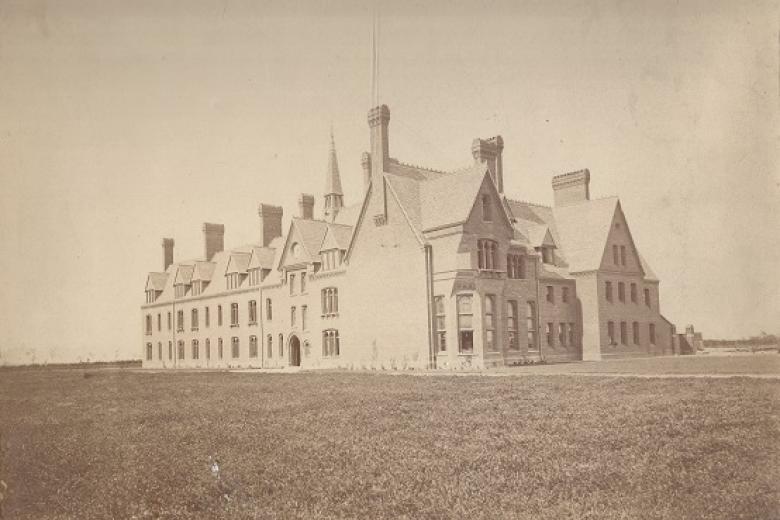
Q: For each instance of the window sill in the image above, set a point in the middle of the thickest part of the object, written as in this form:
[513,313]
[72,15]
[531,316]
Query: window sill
[252,323]
[335,315]
[234,325]
[194,329]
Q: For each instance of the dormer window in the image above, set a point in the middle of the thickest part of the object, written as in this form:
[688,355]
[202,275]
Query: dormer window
[151,295]
[295,249]
[548,254]
[254,276]
[331,259]
[487,215]
[181,291]
[233,280]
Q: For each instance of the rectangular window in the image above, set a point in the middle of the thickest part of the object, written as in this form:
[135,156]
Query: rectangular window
[622,255]
[490,323]
[511,325]
[440,324]
[159,322]
[234,315]
[487,254]
[330,343]
[148,324]
[269,312]
[292,316]
[562,334]
[486,213]
[550,294]
[148,351]
[615,259]
[572,341]
[330,301]
[206,317]
[633,293]
[465,325]
[180,321]
[219,348]
[234,349]
[219,315]
[515,266]
[565,295]
[304,312]
[608,288]
[623,333]
[208,348]
[291,283]
[269,346]
[647,297]
[169,321]
[194,324]
[252,312]
[281,346]
[303,283]
[195,349]
[611,332]
[170,350]
[652,333]
[635,327]
[180,349]
[253,346]
[622,292]
[550,335]
[530,322]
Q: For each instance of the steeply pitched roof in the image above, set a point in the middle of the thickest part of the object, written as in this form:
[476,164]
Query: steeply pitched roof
[238,263]
[336,237]
[449,199]
[203,270]
[417,173]
[312,233]
[261,257]
[332,178]
[184,274]
[583,229]
[348,215]
[156,281]
[649,273]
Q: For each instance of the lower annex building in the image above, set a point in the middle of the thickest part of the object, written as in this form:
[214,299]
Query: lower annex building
[431,269]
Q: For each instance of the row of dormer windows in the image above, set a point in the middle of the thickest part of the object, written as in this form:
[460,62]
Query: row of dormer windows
[621,293]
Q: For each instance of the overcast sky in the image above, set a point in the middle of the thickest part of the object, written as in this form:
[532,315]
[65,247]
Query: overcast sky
[125,122]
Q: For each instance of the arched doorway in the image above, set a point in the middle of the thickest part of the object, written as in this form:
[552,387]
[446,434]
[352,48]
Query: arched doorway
[295,351]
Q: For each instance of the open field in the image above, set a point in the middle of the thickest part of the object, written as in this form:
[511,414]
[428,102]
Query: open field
[122,444]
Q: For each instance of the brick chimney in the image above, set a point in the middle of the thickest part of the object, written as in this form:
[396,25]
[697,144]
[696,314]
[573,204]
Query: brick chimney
[571,188]
[366,162]
[270,222]
[167,245]
[491,151]
[213,239]
[306,206]
[378,121]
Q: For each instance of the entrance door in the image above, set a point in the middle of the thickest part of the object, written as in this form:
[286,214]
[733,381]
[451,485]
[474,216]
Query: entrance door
[295,351]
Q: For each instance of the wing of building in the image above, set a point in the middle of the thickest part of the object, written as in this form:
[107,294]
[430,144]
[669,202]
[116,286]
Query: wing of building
[430,269]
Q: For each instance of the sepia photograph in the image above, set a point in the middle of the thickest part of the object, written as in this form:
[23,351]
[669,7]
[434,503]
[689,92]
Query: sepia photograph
[509,259]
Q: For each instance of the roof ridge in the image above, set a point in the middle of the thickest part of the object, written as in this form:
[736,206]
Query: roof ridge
[519,201]
[417,166]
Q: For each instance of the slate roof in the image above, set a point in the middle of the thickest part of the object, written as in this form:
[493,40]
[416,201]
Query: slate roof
[238,263]
[203,270]
[156,281]
[262,257]
[649,273]
[450,199]
[184,274]
[583,229]
[312,233]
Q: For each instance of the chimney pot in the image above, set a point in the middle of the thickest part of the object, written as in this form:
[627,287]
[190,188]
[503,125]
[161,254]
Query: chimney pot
[270,222]
[571,188]
[213,239]
[167,245]
[306,206]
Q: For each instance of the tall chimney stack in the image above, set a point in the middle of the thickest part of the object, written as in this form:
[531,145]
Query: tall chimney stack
[167,245]
[213,239]
[571,188]
[378,121]
[366,162]
[306,206]
[270,222]
[491,151]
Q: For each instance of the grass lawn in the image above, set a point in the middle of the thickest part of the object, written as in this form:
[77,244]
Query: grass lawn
[767,363]
[126,444]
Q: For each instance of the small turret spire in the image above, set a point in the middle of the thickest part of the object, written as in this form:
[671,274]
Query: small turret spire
[334,196]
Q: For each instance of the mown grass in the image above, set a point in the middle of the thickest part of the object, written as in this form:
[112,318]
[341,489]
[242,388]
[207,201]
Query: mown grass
[121,444]
[767,363]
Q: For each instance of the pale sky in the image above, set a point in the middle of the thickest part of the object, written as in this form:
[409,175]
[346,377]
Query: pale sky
[125,122]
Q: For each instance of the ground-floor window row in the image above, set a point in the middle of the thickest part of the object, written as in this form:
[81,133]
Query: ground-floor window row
[465,325]
[636,335]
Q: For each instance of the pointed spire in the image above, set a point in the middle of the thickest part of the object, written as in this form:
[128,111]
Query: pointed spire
[334,196]
[333,180]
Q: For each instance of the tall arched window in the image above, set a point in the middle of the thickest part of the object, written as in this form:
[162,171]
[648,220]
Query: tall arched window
[253,346]
[234,352]
[270,346]
[194,325]
[219,348]
[208,348]
[180,349]
[281,346]
[487,254]
[195,349]
[330,301]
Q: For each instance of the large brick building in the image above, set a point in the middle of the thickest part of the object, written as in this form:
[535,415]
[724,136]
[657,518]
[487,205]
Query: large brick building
[429,269]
